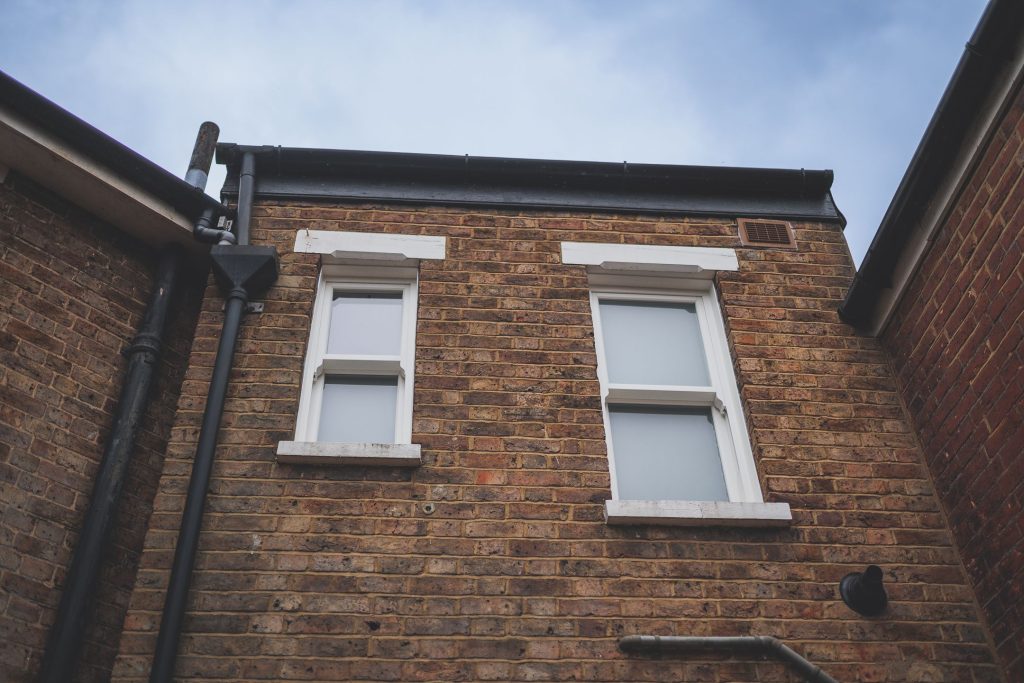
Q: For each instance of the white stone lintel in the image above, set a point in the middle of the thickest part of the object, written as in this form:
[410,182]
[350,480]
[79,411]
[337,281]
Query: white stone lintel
[369,246]
[697,513]
[328,454]
[638,258]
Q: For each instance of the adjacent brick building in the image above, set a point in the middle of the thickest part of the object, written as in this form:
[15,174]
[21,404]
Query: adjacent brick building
[943,288]
[82,220]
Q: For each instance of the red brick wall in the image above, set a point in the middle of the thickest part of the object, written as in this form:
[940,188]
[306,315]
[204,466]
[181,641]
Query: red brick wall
[956,341]
[340,574]
[72,292]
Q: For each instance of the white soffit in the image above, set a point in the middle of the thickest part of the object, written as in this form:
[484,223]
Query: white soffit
[369,246]
[700,261]
[32,151]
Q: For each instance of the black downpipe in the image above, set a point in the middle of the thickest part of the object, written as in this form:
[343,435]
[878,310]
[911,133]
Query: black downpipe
[246,191]
[65,638]
[242,271]
[64,642]
[191,518]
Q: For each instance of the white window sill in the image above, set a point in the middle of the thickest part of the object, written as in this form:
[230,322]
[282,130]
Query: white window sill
[697,513]
[326,453]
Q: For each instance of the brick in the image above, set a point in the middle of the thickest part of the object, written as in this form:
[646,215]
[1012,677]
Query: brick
[514,576]
[71,303]
[957,369]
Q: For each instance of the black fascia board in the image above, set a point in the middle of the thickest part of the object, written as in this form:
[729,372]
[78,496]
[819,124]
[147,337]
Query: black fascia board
[105,150]
[393,177]
[980,68]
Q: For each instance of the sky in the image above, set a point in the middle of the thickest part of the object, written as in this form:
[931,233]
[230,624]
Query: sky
[847,85]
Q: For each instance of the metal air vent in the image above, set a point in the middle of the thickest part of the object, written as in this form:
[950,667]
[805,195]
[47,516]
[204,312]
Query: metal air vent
[761,233]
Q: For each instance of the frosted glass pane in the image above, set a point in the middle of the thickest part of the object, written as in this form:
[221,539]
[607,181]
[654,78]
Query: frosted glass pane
[358,410]
[666,454]
[653,343]
[366,323]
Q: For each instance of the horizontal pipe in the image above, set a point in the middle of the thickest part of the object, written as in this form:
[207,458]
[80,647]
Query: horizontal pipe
[763,645]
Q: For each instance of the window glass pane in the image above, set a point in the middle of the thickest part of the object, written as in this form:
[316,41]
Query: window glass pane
[666,453]
[653,343]
[358,409]
[366,323]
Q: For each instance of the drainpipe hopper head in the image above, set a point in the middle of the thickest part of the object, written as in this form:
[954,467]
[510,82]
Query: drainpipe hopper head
[250,268]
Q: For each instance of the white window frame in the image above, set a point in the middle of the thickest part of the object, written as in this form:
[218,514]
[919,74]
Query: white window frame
[678,275]
[720,395]
[321,365]
[353,262]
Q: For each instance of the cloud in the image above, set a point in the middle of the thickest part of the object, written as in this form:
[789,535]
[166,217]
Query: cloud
[841,85]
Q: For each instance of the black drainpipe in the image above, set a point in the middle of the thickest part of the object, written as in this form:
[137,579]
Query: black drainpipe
[242,271]
[66,634]
[64,642]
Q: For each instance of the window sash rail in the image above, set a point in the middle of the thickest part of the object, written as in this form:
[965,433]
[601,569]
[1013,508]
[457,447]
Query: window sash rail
[664,395]
[333,364]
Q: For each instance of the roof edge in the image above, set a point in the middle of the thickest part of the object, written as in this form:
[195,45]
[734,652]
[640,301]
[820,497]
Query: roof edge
[293,159]
[988,62]
[318,174]
[97,145]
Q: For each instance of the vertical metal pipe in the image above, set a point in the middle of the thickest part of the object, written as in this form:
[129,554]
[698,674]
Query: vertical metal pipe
[191,518]
[202,155]
[65,638]
[246,190]
[242,271]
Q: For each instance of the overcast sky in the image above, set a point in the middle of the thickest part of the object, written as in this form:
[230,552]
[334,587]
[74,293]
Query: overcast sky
[847,85]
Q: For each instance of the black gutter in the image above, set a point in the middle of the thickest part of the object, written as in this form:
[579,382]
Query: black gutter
[93,143]
[66,635]
[391,177]
[242,272]
[760,645]
[980,68]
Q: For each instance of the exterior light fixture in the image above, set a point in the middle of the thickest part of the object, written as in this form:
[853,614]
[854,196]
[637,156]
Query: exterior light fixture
[863,592]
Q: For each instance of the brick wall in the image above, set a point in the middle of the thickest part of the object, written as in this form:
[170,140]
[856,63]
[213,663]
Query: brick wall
[341,574]
[956,341]
[72,293]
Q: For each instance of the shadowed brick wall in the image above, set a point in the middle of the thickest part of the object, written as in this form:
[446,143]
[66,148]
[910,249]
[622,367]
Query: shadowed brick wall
[72,293]
[956,341]
[340,574]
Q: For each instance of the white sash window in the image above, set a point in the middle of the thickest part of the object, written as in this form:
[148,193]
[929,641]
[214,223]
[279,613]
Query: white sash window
[355,405]
[678,448]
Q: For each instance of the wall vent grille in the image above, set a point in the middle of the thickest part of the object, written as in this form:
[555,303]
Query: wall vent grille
[761,233]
